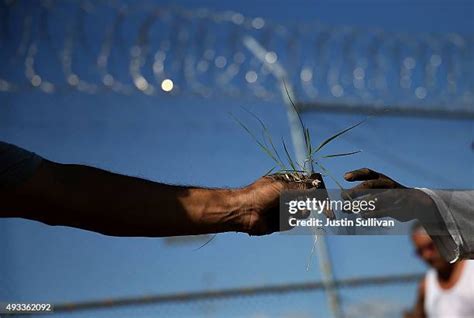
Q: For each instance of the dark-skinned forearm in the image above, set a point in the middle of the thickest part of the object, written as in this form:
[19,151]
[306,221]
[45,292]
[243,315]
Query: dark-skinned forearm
[112,204]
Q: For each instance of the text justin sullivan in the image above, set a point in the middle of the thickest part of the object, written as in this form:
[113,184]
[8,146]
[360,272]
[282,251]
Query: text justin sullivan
[369,222]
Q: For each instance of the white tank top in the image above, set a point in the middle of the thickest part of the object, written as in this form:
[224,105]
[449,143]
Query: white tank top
[455,302]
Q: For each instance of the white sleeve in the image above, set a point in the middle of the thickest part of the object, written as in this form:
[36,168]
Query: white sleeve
[456,208]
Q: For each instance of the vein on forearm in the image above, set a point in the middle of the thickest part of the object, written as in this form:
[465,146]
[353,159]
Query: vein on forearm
[112,204]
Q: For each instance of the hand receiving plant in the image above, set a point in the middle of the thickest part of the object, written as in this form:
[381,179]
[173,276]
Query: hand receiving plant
[392,198]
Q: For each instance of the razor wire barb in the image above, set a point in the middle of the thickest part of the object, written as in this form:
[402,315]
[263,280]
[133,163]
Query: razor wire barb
[99,47]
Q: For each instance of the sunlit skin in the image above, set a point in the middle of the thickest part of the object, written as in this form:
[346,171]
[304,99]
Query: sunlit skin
[118,205]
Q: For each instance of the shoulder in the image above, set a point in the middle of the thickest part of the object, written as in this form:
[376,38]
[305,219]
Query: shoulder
[16,164]
[469,267]
[10,151]
[422,286]
[429,282]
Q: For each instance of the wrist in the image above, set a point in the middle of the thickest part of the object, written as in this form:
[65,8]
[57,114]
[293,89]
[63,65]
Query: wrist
[238,205]
[223,212]
[428,211]
[244,211]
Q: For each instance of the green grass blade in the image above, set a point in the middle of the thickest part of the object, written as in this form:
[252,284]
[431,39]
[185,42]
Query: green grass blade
[275,151]
[288,170]
[308,144]
[309,151]
[265,133]
[262,146]
[333,179]
[342,154]
[254,116]
[294,107]
[342,132]
[269,171]
[306,134]
[329,175]
[290,161]
[209,241]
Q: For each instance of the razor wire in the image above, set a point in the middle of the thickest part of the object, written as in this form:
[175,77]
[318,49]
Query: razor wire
[100,47]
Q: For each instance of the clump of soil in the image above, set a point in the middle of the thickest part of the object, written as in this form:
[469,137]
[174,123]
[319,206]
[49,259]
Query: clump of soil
[312,182]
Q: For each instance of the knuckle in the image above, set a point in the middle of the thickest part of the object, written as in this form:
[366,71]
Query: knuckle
[366,170]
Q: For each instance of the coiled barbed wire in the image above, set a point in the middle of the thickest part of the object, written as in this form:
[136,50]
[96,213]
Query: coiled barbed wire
[102,47]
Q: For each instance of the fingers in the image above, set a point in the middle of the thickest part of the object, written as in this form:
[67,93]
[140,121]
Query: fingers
[372,180]
[388,200]
[394,214]
[270,222]
[389,204]
[284,224]
[273,222]
[368,187]
[298,181]
[376,214]
[361,175]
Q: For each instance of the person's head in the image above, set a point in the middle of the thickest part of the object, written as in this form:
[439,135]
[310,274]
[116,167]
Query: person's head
[426,249]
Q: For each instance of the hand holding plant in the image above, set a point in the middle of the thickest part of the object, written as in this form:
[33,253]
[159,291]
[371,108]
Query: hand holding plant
[260,214]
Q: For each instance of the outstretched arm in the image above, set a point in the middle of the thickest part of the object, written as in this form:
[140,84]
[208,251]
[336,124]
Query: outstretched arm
[112,204]
[447,215]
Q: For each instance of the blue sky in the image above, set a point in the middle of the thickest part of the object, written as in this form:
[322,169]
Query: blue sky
[194,141]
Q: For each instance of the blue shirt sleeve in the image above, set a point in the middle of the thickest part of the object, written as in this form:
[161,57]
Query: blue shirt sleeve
[16,165]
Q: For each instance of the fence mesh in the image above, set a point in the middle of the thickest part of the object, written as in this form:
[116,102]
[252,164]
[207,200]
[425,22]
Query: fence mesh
[360,297]
[109,47]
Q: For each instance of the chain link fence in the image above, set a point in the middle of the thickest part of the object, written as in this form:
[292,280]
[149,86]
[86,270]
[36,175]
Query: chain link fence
[107,47]
[289,300]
